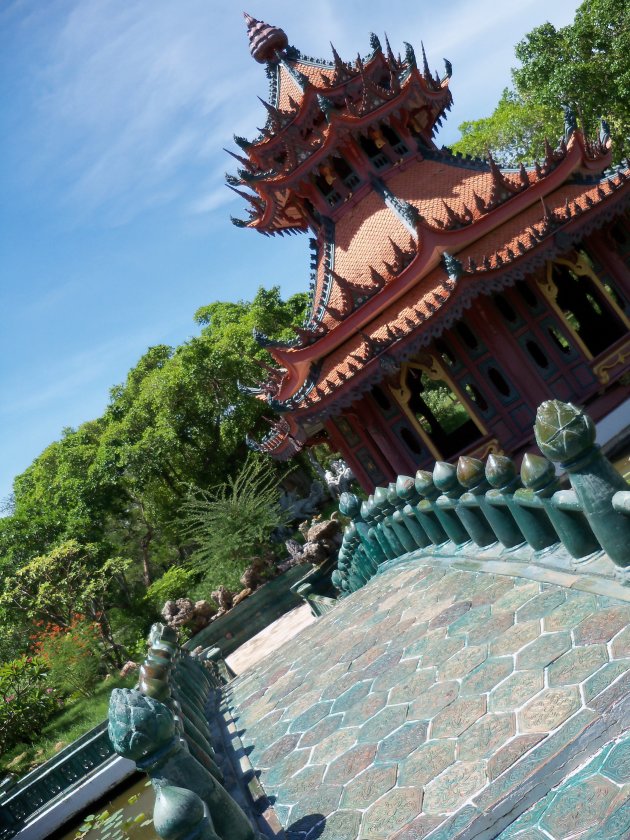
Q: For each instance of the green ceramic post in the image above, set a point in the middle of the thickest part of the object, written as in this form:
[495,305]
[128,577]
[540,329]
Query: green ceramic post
[539,477]
[471,475]
[144,730]
[533,523]
[445,478]
[382,509]
[367,514]
[179,814]
[566,435]
[370,546]
[429,514]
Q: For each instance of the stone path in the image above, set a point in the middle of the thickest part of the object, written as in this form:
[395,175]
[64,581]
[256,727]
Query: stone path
[443,704]
[270,639]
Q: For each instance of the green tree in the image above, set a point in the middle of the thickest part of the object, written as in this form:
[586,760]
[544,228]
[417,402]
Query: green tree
[232,523]
[585,65]
[71,579]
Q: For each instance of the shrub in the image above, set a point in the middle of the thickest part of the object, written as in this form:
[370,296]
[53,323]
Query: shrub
[176,582]
[232,523]
[72,656]
[27,701]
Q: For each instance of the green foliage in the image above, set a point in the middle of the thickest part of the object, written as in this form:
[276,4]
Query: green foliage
[176,582]
[585,65]
[232,523]
[66,725]
[26,700]
[72,657]
[68,580]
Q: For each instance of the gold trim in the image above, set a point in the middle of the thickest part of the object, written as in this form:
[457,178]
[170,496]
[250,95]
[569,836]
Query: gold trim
[583,268]
[617,357]
[429,364]
[489,447]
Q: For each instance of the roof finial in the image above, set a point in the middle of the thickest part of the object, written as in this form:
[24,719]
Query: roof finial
[264,40]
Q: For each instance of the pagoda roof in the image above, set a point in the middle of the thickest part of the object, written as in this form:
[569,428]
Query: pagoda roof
[434,300]
[313,106]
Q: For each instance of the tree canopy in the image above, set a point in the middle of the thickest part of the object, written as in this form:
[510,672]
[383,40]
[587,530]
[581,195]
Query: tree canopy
[114,487]
[585,65]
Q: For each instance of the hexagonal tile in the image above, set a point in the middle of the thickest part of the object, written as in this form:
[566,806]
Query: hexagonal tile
[391,812]
[380,726]
[278,750]
[497,624]
[602,626]
[620,645]
[369,786]
[450,614]
[439,650]
[343,825]
[320,731]
[604,677]
[351,696]
[516,597]
[572,612]
[427,762]
[365,709]
[463,662]
[485,736]
[543,651]
[578,807]
[419,828]
[487,675]
[541,605]
[367,658]
[513,692]
[549,709]
[320,800]
[310,717]
[472,619]
[577,664]
[409,689]
[393,675]
[403,741]
[617,763]
[287,767]
[515,638]
[350,764]
[332,746]
[510,753]
[457,717]
[437,697]
[454,786]
[300,784]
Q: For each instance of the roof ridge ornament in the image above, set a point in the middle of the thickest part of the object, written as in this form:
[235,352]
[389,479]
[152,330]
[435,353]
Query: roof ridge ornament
[265,41]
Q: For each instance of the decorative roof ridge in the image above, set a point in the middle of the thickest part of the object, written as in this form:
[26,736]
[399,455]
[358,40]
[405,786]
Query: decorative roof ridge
[546,238]
[410,345]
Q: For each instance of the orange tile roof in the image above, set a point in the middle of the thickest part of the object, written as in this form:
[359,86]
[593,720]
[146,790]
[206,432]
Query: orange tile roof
[435,301]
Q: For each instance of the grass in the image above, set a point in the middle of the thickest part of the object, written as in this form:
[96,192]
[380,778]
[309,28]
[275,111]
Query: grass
[77,718]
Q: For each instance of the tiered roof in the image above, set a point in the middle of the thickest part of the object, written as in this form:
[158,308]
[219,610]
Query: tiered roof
[419,232]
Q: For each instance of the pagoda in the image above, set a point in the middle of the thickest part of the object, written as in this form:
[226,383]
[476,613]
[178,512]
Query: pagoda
[449,295]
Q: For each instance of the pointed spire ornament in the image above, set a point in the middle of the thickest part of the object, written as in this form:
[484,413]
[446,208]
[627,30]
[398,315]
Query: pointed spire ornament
[375,44]
[452,265]
[425,66]
[410,56]
[264,40]
[449,68]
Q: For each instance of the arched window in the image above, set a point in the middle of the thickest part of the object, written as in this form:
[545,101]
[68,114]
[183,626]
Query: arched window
[589,312]
[442,416]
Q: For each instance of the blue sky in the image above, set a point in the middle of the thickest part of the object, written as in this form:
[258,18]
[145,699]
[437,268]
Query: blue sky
[114,224]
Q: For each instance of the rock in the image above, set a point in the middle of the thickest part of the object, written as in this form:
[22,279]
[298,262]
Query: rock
[179,612]
[326,530]
[204,609]
[223,597]
[128,668]
[244,593]
[59,746]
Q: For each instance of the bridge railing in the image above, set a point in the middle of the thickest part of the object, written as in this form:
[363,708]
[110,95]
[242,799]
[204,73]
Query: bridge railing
[489,510]
[163,727]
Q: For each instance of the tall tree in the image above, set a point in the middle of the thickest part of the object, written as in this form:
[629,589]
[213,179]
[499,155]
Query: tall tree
[585,65]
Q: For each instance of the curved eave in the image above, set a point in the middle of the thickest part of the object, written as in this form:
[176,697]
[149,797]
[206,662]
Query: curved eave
[469,286]
[432,243]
